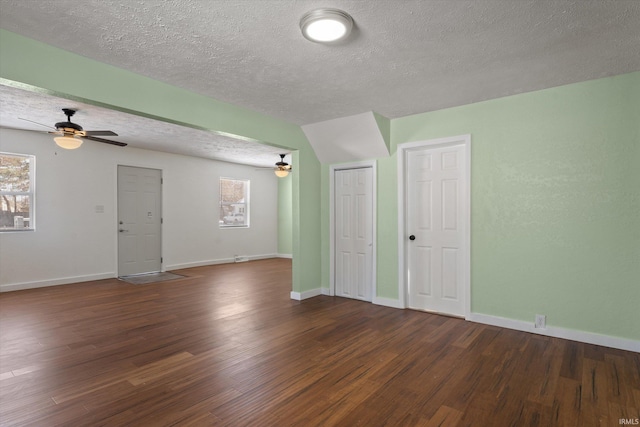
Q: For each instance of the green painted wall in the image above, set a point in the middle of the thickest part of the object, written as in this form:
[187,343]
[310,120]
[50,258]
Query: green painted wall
[33,65]
[285,213]
[555,210]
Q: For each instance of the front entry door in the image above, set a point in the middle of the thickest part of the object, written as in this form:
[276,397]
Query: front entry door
[139,220]
[436,228]
[353,201]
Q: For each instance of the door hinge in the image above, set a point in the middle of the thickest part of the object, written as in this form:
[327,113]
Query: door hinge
[161,260]
[161,220]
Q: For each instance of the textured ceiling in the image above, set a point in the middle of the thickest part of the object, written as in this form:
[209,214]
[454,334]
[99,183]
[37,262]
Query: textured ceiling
[138,132]
[404,57]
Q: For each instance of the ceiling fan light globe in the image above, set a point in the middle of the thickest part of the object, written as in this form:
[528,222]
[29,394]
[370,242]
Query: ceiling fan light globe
[68,142]
[281,173]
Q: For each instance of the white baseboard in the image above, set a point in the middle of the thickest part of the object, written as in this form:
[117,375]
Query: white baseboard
[325,291]
[55,282]
[387,302]
[306,294]
[216,261]
[265,256]
[77,279]
[551,331]
[290,256]
[198,264]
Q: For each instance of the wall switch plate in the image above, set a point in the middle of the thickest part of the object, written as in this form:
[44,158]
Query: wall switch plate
[541,321]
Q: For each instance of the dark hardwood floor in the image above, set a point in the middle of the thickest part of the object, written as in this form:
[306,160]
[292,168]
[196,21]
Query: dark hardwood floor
[226,346]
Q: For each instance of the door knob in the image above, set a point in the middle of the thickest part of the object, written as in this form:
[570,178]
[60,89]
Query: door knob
[412,237]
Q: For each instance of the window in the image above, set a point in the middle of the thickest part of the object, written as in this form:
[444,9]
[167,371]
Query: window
[17,190]
[234,202]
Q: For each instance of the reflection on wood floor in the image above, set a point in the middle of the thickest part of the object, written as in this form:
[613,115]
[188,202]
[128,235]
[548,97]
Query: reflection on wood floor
[227,346]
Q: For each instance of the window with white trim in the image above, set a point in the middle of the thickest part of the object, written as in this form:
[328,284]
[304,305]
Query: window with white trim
[234,202]
[17,192]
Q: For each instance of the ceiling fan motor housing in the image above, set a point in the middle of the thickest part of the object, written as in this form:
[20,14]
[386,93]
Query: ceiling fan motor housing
[282,164]
[68,126]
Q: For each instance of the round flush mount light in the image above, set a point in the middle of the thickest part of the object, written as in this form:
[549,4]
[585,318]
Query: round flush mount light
[326,25]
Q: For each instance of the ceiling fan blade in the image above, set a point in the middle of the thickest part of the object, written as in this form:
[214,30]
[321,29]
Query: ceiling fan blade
[27,120]
[100,133]
[106,141]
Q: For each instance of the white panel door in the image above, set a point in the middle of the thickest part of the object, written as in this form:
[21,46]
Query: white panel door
[139,220]
[353,195]
[436,198]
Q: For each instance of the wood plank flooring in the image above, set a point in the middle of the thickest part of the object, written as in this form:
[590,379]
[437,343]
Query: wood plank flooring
[227,347]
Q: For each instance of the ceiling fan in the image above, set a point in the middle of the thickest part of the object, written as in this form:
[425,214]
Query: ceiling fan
[282,168]
[71,134]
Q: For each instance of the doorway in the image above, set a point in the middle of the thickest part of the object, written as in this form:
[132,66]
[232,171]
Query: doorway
[435,225]
[139,220]
[353,231]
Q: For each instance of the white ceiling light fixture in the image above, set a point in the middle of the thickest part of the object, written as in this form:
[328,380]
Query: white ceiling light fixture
[326,25]
[68,142]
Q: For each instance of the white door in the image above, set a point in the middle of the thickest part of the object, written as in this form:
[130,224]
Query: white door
[436,210]
[353,201]
[139,220]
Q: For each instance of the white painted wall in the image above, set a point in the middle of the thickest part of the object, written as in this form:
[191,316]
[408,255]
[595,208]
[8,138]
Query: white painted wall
[349,139]
[73,243]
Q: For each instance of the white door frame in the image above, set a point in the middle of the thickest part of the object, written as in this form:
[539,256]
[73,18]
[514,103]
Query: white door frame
[403,149]
[332,225]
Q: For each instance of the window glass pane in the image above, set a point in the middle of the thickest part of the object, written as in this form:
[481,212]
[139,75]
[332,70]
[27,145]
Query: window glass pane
[234,202]
[16,192]
[14,173]
[15,212]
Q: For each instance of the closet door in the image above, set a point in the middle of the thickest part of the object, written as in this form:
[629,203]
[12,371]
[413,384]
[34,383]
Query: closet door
[353,201]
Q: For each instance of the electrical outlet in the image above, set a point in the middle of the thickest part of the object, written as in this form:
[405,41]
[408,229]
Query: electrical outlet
[541,321]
